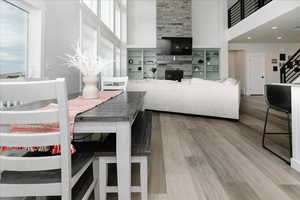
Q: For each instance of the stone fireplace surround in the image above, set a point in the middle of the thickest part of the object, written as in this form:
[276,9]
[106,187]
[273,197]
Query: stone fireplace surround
[174,19]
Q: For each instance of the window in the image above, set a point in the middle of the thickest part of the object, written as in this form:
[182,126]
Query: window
[92,4]
[107,54]
[89,39]
[107,13]
[117,62]
[118,22]
[13,40]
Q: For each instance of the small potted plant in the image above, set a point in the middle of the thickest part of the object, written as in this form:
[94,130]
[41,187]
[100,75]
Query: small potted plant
[90,66]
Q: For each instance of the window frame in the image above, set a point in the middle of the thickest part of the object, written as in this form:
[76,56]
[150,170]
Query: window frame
[108,33]
[36,31]
[26,67]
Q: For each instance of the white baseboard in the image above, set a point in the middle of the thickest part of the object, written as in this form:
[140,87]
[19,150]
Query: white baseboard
[295,164]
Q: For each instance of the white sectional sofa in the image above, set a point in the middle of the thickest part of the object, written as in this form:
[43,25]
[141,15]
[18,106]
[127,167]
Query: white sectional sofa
[195,96]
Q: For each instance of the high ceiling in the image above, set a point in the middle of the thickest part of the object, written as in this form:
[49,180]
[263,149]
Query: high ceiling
[285,28]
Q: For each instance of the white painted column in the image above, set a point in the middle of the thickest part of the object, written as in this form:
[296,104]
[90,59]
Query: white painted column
[295,162]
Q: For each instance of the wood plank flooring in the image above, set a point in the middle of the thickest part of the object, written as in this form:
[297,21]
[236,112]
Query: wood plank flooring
[199,158]
[215,159]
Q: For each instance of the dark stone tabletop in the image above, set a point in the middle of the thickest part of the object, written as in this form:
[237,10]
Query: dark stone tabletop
[123,107]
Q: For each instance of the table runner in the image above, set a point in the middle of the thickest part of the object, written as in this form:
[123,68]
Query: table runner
[76,106]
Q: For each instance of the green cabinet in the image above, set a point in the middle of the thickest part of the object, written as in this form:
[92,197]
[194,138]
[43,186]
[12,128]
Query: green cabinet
[206,64]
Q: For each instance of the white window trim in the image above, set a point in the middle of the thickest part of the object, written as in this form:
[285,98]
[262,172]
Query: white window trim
[35,53]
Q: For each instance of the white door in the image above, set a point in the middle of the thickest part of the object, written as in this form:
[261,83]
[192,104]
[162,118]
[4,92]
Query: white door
[256,66]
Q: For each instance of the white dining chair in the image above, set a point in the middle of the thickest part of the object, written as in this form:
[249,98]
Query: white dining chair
[40,175]
[114,83]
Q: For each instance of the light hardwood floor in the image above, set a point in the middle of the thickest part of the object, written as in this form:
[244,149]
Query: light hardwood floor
[214,159]
[199,158]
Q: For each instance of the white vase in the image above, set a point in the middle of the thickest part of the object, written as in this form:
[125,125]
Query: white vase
[90,90]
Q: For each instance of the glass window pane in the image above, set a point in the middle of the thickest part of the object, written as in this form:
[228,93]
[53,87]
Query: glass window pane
[118,22]
[13,40]
[107,54]
[118,62]
[107,13]
[89,39]
[92,4]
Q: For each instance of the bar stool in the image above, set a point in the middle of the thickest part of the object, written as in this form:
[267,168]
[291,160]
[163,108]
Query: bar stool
[278,97]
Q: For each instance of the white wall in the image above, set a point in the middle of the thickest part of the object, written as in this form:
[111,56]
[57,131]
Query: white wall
[141,23]
[271,51]
[237,67]
[205,23]
[209,20]
[231,3]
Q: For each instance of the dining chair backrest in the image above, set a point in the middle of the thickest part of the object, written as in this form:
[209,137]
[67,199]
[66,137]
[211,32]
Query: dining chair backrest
[114,83]
[278,97]
[36,91]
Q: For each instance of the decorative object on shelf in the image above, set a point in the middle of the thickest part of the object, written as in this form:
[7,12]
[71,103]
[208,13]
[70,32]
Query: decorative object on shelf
[90,66]
[153,70]
[149,62]
[130,61]
[282,57]
[140,68]
[275,68]
[200,61]
[196,68]
[274,61]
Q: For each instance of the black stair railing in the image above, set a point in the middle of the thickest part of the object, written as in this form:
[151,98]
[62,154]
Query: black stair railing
[290,71]
[242,9]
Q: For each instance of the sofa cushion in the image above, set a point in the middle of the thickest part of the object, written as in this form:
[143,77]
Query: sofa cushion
[199,81]
[230,81]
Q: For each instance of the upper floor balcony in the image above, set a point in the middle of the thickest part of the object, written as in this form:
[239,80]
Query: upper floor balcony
[244,8]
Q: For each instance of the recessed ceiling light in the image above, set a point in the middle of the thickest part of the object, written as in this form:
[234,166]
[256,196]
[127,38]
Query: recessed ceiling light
[279,38]
[274,27]
[249,38]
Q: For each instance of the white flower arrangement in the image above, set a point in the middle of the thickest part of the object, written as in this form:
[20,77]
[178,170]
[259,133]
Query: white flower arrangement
[86,62]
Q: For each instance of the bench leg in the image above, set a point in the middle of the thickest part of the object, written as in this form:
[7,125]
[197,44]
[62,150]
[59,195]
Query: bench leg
[102,178]
[144,177]
[96,177]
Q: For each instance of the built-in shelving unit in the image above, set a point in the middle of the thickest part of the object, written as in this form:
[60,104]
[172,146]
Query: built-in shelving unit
[206,64]
[141,63]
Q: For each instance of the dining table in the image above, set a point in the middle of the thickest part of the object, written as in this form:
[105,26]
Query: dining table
[115,116]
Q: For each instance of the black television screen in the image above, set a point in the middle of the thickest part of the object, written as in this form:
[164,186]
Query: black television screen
[175,46]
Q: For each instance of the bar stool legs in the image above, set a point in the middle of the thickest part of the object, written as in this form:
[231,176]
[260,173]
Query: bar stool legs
[289,134]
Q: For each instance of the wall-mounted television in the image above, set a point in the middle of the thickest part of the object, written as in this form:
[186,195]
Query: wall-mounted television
[175,46]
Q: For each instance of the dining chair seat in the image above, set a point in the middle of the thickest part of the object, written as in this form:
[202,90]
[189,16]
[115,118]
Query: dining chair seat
[79,162]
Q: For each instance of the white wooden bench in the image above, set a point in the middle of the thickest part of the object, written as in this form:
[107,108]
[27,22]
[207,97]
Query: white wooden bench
[141,149]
